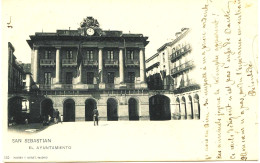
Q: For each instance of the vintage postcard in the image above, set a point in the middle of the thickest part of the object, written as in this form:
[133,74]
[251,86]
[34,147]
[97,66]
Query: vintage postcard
[169,80]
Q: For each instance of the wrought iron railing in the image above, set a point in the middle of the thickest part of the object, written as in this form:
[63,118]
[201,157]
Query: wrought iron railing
[111,62]
[69,62]
[183,67]
[90,63]
[47,62]
[175,55]
[130,62]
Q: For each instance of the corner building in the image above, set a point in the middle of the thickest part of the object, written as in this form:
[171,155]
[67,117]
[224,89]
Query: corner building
[78,70]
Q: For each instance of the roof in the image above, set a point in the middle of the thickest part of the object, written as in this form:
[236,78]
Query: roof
[183,33]
[101,35]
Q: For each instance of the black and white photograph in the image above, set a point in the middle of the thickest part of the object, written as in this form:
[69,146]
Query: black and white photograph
[148,80]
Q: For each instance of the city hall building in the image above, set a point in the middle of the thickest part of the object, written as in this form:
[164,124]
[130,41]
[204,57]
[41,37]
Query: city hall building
[78,70]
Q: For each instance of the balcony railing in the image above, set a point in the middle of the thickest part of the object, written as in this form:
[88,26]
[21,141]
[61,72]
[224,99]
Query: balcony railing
[68,87]
[69,62]
[47,62]
[183,67]
[111,62]
[91,63]
[177,54]
[132,62]
[187,88]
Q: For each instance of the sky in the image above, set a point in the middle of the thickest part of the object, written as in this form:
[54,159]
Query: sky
[159,20]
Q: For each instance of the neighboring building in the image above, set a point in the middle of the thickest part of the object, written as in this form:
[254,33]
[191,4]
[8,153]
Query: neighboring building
[78,70]
[174,67]
[15,72]
[158,69]
[18,104]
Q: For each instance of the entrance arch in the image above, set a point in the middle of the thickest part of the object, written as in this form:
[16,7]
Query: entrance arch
[196,107]
[69,110]
[133,109]
[159,107]
[112,114]
[183,108]
[15,110]
[178,109]
[47,108]
[190,107]
[90,105]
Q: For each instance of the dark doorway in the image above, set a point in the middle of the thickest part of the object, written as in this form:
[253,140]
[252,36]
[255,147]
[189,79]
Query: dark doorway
[112,110]
[90,104]
[46,108]
[69,111]
[133,109]
[15,110]
[159,108]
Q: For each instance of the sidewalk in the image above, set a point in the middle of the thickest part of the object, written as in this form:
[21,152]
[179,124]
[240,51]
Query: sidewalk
[28,128]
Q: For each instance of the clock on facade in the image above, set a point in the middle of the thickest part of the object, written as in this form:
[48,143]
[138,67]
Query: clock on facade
[90,31]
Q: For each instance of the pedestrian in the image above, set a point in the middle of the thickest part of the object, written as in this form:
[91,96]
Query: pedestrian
[55,116]
[95,116]
[58,118]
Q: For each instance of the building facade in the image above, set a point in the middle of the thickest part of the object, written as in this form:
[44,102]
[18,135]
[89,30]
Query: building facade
[78,70]
[175,67]
[19,86]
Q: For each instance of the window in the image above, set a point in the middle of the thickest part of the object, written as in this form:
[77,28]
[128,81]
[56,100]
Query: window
[90,77]
[110,55]
[47,78]
[69,77]
[130,55]
[163,57]
[90,55]
[110,77]
[131,77]
[47,54]
[69,54]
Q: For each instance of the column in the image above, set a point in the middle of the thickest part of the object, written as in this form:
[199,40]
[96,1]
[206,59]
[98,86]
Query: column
[100,64]
[121,66]
[142,66]
[35,74]
[58,65]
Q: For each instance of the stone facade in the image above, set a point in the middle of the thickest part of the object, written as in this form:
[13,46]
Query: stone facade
[77,71]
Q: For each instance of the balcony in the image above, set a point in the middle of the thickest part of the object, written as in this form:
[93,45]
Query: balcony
[183,67]
[187,88]
[68,86]
[153,66]
[69,62]
[132,63]
[47,62]
[90,63]
[177,54]
[111,63]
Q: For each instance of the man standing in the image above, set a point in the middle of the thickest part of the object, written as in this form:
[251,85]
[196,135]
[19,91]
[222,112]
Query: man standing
[95,116]
[58,118]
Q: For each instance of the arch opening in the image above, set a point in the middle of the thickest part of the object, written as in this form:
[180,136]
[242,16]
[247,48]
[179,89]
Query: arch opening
[18,108]
[133,109]
[112,114]
[90,105]
[196,107]
[69,110]
[159,108]
[47,108]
